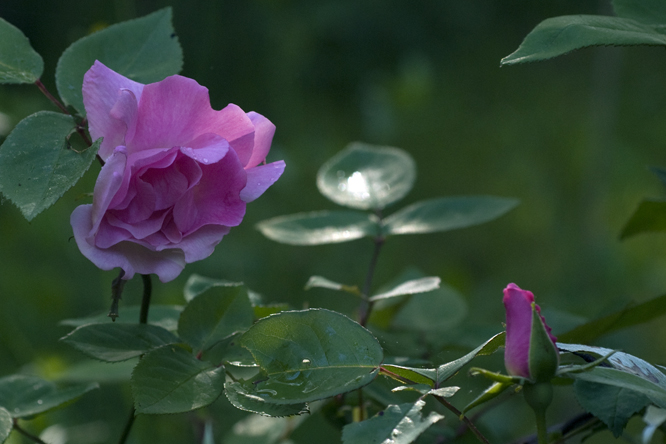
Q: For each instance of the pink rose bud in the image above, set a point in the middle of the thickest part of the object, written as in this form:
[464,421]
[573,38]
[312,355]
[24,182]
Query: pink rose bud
[177,174]
[530,350]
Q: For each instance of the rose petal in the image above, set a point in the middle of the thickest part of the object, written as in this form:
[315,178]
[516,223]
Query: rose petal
[518,305]
[101,91]
[263,137]
[108,183]
[260,178]
[125,110]
[201,244]
[129,256]
[207,148]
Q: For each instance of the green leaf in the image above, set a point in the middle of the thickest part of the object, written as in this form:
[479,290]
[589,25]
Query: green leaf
[261,311]
[621,361]
[36,164]
[214,315]
[398,424]
[543,357]
[426,376]
[322,282]
[6,424]
[436,311]
[560,35]
[445,371]
[633,314]
[98,371]
[145,50]
[646,11]
[171,380]
[311,354]
[446,213]
[197,284]
[113,342]
[19,63]
[243,399]
[165,316]
[228,351]
[367,177]
[255,429]
[25,396]
[493,391]
[654,417]
[319,227]
[613,405]
[650,216]
[422,285]
[622,379]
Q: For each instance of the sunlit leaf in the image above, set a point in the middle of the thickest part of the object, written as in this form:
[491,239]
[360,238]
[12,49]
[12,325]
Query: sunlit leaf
[165,316]
[229,351]
[654,417]
[650,216]
[319,227]
[633,314]
[214,315]
[646,11]
[197,284]
[241,398]
[421,285]
[19,63]
[560,35]
[25,396]
[256,429]
[171,380]
[398,424]
[445,371]
[367,177]
[446,213]
[113,342]
[311,354]
[145,50]
[322,282]
[36,164]
[6,424]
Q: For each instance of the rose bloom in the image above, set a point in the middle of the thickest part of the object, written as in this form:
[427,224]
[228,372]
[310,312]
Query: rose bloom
[519,317]
[177,174]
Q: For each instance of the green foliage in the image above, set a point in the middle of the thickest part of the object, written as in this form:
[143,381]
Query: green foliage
[560,35]
[650,216]
[367,177]
[25,396]
[319,227]
[322,282]
[543,358]
[613,405]
[243,399]
[19,63]
[197,284]
[6,424]
[171,380]
[311,354]
[165,316]
[446,213]
[145,50]
[632,314]
[398,424]
[422,285]
[37,165]
[646,11]
[215,315]
[113,342]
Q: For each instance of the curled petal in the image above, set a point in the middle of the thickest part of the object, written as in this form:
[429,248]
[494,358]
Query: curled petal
[263,137]
[260,178]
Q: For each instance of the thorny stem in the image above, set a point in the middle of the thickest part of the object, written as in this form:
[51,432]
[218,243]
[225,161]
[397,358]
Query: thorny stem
[56,102]
[143,319]
[117,286]
[464,419]
[27,434]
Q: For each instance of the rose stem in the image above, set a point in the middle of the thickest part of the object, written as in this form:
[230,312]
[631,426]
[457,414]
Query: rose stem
[143,319]
[366,305]
[465,419]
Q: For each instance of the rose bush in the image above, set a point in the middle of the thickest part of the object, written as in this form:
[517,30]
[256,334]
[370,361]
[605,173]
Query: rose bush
[525,355]
[177,174]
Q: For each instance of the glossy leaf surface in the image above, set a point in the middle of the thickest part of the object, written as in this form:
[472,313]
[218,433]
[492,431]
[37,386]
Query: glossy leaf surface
[243,399]
[171,380]
[113,342]
[19,63]
[36,164]
[25,396]
[446,213]
[421,285]
[398,424]
[6,424]
[319,227]
[311,354]
[560,35]
[197,284]
[145,50]
[367,177]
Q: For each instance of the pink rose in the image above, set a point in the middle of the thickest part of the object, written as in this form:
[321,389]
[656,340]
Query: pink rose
[525,354]
[177,174]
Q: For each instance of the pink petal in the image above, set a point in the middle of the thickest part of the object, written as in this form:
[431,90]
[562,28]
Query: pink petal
[260,178]
[200,244]
[263,137]
[126,110]
[129,256]
[108,183]
[207,148]
[518,305]
[101,90]
[177,110]
[216,199]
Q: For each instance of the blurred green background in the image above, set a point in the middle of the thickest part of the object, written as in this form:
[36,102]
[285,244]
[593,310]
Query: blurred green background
[571,138]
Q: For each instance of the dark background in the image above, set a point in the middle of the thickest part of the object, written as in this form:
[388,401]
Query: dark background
[571,138]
